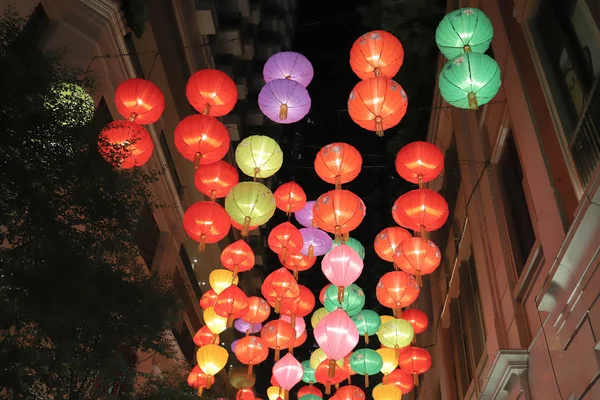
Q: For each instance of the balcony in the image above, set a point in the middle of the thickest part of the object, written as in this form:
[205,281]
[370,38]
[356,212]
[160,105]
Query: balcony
[206,16]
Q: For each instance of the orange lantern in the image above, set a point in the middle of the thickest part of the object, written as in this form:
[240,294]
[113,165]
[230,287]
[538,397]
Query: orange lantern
[290,197]
[206,222]
[208,299]
[338,163]
[139,100]
[376,53]
[199,380]
[238,257]
[231,303]
[417,318]
[258,310]
[245,394]
[125,144]
[322,293]
[309,389]
[300,306]
[285,239]
[388,240]
[403,380]
[205,336]
[328,375]
[216,179]
[300,340]
[397,289]
[251,350]
[418,257]
[211,92]
[338,212]
[419,162]
[240,227]
[297,262]
[377,104]
[350,392]
[279,285]
[201,139]
[421,210]
[278,334]
[415,361]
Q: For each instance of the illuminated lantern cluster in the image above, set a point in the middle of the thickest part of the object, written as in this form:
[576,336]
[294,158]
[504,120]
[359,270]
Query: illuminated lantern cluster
[377,102]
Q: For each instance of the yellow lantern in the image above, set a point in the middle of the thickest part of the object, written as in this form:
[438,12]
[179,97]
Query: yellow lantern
[386,392]
[318,356]
[317,316]
[259,156]
[390,360]
[221,279]
[273,393]
[250,204]
[211,359]
[214,321]
[396,333]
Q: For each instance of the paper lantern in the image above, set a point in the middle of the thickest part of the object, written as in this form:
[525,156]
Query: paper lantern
[237,257]
[338,163]
[216,323]
[301,305]
[415,361]
[386,392]
[284,101]
[419,162]
[219,279]
[279,286]
[385,318]
[397,289]
[285,239]
[211,359]
[316,242]
[418,257]
[245,394]
[297,263]
[462,31]
[396,333]
[377,104]
[239,378]
[247,327]
[290,197]
[366,362]
[139,100]
[300,340]
[258,310]
[353,244]
[318,356]
[388,240]
[232,303]
[350,392]
[305,215]
[297,322]
[274,393]
[318,316]
[288,65]
[197,379]
[389,358]
[312,397]
[322,293]
[216,180]
[250,204]
[258,156]
[336,335]
[417,318]
[308,390]
[211,92]
[342,266]
[201,139]
[338,212]
[208,299]
[354,299]
[309,374]
[251,350]
[376,53]
[470,80]
[206,222]
[421,210]
[234,345]
[403,380]
[240,227]
[367,322]
[327,374]
[125,144]
[278,334]
[205,336]
[71,103]
[288,372]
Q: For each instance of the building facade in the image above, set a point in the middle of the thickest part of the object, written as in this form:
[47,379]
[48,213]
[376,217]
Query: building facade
[513,308]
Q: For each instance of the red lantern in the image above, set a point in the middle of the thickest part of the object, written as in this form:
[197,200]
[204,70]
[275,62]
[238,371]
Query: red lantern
[417,318]
[205,336]
[377,104]
[297,262]
[418,257]
[245,394]
[231,303]
[388,240]
[350,392]
[376,53]
[279,286]
[206,222]
[211,92]
[125,144]
[415,361]
[421,210]
[300,306]
[258,310]
[322,293]
[397,289]
[290,197]
[327,374]
[338,212]
[197,379]
[419,162]
[338,163]
[278,334]
[216,179]
[140,101]
[201,139]
[401,379]
[251,350]
[300,340]
[238,257]
[309,389]
[285,239]
[208,299]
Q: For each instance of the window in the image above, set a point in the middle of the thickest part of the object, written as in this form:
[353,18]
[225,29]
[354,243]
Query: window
[170,163]
[135,60]
[147,235]
[449,190]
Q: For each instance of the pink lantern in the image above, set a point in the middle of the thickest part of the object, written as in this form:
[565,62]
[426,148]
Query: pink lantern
[305,215]
[342,266]
[284,101]
[336,335]
[316,242]
[287,372]
[299,323]
[288,65]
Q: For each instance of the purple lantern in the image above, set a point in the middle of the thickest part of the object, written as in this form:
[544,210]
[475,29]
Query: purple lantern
[299,323]
[288,65]
[233,344]
[284,101]
[305,215]
[243,326]
[316,242]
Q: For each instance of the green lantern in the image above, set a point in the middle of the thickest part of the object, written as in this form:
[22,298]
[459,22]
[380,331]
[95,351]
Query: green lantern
[250,204]
[462,31]
[354,299]
[367,322]
[470,80]
[310,397]
[366,362]
[396,333]
[259,156]
[74,105]
[354,245]
[309,372]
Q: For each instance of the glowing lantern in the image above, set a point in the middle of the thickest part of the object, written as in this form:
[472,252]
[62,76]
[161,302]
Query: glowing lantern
[377,104]
[290,197]
[316,242]
[72,103]
[205,336]
[389,358]
[288,65]
[247,327]
[232,303]
[258,310]
[470,80]
[419,162]
[278,334]
[211,359]
[245,394]
[417,318]
[313,397]
[397,289]
[258,156]
[297,322]
[198,380]
[208,299]
[421,210]
[216,323]
[350,392]
[238,257]
[300,340]
[125,144]
[327,374]
[288,371]
[318,356]
[284,101]
[338,212]
[367,322]
[139,100]
[415,361]
[220,279]
[354,245]
[308,390]
[251,350]
[342,266]
[322,293]
[239,378]
[366,362]
[317,316]
[337,335]
[462,31]
[354,299]
[297,263]
[388,240]
[201,139]
[305,215]
[418,257]
[206,222]
[403,380]
[273,392]
[338,163]
[309,374]
[285,239]
[279,286]
[376,53]
[386,392]
[240,227]
[211,92]
[216,180]
[249,204]
[300,306]
[396,333]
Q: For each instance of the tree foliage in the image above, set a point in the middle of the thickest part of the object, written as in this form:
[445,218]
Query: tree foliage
[75,302]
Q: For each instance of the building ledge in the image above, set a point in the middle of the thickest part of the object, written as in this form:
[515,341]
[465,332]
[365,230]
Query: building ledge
[507,365]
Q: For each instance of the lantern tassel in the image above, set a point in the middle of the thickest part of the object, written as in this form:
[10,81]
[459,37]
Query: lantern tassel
[472,97]
[310,386]
[256,172]
[467,48]
[311,251]
[247,332]
[331,369]
[202,243]
[276,358]
[200,390]
[288,210]
[421,183]
[327,388]
[340,294]
[235,271]
[213,195]
[197,158]
[249,369]
[291,350]
[366,380]
[419,279]
[338,182]
[379,126]
[366,338]
[414,341]
[349,380]
[215,339]
[132,117]
[313,223]
[230,320]
[246,226]
[377,72]
[283,112]
[206,109]
[338,233]
[423,233]
[416,379]
[286,395]
[283,253]
[345,237]
[398,312]
[337,386]
[296,273]
[277,305]
[293,320]
[209,381]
